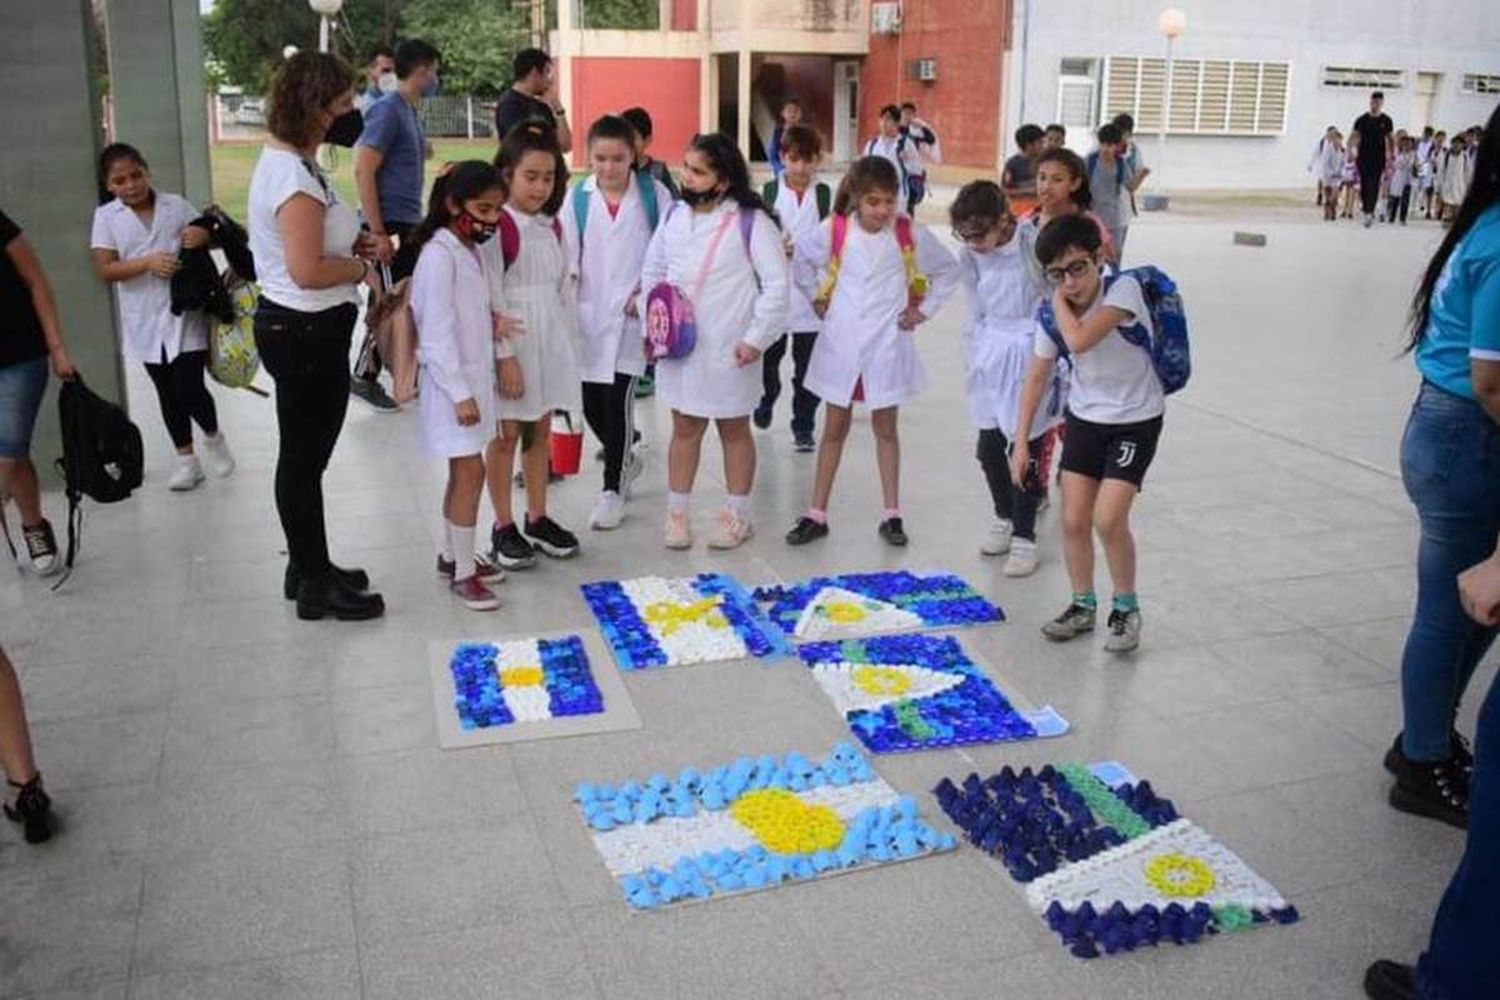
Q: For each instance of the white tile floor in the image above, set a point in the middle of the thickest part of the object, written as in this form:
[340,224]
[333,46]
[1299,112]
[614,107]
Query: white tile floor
[257,807]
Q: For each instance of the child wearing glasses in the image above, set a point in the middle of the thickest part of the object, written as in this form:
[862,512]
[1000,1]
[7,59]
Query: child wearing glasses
[1003,280]
[1113,421]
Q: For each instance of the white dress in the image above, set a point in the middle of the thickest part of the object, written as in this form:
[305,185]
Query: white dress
[148,330]
[744,298]
[860,339]
[1453,177]
[997,339]
[450,303]
[608,267]
[538,289]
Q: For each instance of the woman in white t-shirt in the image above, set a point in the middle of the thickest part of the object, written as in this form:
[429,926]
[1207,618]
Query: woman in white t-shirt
[310,258]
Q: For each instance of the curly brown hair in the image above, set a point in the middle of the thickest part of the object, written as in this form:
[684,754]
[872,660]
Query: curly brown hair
[301,91]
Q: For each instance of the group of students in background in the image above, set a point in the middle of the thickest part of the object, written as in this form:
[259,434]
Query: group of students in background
[1388,173]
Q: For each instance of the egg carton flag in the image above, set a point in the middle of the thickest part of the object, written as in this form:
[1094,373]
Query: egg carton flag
[754,823]
[1105,861]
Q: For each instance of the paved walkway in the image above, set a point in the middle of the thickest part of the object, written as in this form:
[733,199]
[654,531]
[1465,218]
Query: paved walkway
[257,807]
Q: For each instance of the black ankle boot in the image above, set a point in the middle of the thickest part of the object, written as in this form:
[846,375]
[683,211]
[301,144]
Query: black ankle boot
[354,579]
[33,810]
[328,597]
[1436,789]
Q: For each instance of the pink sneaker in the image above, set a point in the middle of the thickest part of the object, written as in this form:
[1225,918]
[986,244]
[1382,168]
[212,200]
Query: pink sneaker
[474,595]
[679,533]
[488,571]
[733,530]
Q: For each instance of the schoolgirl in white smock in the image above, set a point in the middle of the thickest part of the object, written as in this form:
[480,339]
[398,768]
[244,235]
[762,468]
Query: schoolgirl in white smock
[538,290]
[149,333]
[608,267]
[998,336]
[860,339]
[743,298]
[450,302]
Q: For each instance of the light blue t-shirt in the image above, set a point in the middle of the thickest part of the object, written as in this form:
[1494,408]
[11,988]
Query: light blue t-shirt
[1464,318]
[392,128]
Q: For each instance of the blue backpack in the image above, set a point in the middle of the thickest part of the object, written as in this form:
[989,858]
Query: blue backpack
[1170,356]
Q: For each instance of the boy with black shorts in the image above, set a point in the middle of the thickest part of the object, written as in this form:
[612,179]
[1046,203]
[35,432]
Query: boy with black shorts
[1114,419]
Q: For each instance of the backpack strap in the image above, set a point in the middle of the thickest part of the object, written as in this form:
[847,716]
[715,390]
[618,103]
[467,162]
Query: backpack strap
[510,238]
[747,227]
[916,281]
[825,200]
[838,234]
[769,191]
[581,201]
[557,228]
[647,184]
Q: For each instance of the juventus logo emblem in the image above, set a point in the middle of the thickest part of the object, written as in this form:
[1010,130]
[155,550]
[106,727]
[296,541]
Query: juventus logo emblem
[1127,454]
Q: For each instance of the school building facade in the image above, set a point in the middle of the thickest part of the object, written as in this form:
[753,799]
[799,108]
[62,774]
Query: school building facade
[1252,85]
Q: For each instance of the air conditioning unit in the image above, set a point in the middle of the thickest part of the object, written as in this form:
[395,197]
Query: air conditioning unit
[885,18]
[924,70]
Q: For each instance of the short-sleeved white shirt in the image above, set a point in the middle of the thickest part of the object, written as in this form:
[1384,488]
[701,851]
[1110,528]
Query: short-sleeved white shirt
[279,175]
[149,332]
[1112,382]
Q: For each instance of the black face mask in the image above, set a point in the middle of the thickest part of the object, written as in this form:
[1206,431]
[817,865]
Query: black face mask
[695,198]
[345,129]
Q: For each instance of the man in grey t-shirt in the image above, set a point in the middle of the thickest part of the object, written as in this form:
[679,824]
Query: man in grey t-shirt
[1109,177]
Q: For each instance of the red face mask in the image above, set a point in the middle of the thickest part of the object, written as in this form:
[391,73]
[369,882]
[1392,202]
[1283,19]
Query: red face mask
[472,228]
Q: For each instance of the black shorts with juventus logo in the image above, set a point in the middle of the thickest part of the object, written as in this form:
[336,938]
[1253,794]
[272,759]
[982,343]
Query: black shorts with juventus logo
[1110,451]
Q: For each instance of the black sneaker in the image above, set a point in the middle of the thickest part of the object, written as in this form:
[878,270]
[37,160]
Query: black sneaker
[892,531]
[552,538]
[645,387]
[1075,620]
[806,530]
[1387,980]
[510,549]
[1462,753]
[762,416]
[803,443]
[372,392]
[1436,789]
[41,548]
[354,579]
[33,810]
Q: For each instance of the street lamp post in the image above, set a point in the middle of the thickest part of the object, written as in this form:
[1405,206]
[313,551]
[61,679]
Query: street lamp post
[1170,22]
[326,10]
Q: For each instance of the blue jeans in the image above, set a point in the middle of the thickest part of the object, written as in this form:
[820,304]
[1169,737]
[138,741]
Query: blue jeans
[1450,463]
[1461,961]
[21,388]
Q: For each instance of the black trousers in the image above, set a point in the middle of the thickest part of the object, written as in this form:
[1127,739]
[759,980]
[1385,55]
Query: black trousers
[609,410]
[308,356]
[1017,506]
[1398,203]
[804,402]
[1369,185]
[184,398]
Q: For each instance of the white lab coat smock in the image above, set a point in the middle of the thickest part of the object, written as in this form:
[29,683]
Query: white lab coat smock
[450,302]
[149,333]
[998,335]
[538,289]
[860,338]
[799,218]
[609,274]
[744,298]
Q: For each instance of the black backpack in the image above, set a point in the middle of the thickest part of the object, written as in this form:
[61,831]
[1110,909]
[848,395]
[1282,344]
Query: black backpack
[103,458]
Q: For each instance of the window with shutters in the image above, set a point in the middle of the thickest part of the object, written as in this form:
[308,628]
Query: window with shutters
[1208,96]
[1481,83]
[1363,77]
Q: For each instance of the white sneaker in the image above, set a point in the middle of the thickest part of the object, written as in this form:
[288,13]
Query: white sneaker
[679,532]
[635,464]
[997,538]
[1022,561]
[216,456]
[609,511]
[188,476]
[733,530]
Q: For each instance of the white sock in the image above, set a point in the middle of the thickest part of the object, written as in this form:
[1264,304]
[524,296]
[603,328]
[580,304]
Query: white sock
[191,458]
[678,501]
[447,550]
[740,504]
[462,540]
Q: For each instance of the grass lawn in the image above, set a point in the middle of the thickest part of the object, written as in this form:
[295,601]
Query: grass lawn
[232,164]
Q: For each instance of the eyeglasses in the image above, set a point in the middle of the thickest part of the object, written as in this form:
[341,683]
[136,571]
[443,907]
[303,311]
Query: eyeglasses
[1077,269]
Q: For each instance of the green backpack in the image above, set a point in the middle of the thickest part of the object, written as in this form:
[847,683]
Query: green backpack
[823,193]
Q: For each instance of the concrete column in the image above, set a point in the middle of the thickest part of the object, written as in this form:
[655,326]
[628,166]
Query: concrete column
[742,93]
[156,81]
[49,114]
[708,71]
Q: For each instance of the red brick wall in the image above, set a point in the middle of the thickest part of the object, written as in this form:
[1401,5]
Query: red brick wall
[684,15]
[668,88]
[968,39]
